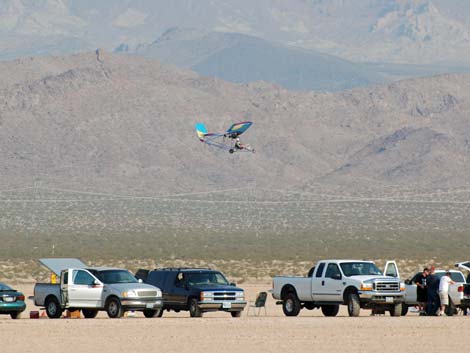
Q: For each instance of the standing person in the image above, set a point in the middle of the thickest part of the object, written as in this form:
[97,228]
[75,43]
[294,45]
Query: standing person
[421,290]
[444,284]
[432,283]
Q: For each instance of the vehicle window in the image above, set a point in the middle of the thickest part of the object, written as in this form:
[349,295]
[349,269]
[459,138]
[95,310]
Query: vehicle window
[332,270]
[66,277]
[455,276]
[83,278]
[115,276]
[4,287]
[179,281]
[213,278]
[391,270]
[156,278]
[320,270]
[360,269]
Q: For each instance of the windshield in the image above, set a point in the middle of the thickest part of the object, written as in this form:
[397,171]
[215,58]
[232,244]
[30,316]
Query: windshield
[215,278]
[4,287]
[115,276]
[360,269]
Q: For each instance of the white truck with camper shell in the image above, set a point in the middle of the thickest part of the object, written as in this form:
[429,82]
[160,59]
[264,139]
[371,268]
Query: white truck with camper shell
[358,284]
[91,289]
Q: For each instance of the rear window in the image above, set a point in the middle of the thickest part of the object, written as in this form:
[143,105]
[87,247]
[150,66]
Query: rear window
[455,276]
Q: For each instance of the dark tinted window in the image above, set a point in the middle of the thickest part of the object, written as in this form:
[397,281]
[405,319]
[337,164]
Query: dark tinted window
[157,278]
[360,269]
[455,276]
[213,278]
[66,277]
[115,276]
[83,278]
[332,270]
[319,272]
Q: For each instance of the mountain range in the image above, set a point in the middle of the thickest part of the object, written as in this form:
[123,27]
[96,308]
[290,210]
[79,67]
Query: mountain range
[125,124]
[325,45]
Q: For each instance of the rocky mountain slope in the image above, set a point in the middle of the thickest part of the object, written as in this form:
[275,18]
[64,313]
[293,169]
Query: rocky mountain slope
[108,123]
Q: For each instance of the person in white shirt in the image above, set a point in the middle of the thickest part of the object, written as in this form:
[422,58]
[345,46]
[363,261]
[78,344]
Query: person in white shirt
[444,284]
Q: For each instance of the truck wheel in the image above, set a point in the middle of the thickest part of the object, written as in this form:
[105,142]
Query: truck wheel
[395,310]
[114,308]
[236,313]
[330,310]
[53,309]
[404,309]
[89,313]
[149,313]
[194,310]
[159,312]
[354,307]
[291,305]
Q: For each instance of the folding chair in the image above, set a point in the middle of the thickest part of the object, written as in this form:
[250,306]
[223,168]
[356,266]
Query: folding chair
[258,303]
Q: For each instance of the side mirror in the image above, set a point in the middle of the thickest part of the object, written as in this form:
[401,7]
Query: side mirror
[140,280]
[408,281]
[233,284]
[96,282]
[337,276]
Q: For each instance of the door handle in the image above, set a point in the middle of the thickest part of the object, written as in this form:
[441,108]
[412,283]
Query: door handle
[322,283]
[72,289]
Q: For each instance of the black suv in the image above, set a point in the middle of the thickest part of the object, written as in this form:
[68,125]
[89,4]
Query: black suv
[195,289]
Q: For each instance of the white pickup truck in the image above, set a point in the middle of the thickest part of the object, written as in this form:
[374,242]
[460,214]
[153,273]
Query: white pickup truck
[93,289]
[357,283]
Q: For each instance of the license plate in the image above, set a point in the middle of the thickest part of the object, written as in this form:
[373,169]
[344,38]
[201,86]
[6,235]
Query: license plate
[8,299]
[226,305]
[388,299]
[149,306]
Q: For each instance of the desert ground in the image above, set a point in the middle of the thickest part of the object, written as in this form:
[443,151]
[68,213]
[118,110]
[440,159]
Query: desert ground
[216,332]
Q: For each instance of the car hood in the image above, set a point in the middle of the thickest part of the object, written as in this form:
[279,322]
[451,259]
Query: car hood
[132,286]
[212,287]
[375,278]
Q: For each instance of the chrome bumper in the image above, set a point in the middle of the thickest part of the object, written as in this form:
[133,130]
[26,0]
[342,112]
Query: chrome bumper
[223,305]
[381,297]
[141,304]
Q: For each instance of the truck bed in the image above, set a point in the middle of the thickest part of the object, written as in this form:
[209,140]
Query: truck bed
[42,290]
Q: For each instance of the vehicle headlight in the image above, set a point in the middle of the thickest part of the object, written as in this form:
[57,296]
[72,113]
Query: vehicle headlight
[206,296]
[129,293]
[159,294]
[240,295]
[367,286]
[402,286]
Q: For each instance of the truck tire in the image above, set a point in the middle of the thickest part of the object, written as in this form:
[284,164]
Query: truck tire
[149,313]
[53,309]
[114,308]
[330,310]
[89,313]
[396,309]
[194,310]
[404,309]
[159,312]
[354,306]
[291,305]
[236,313]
